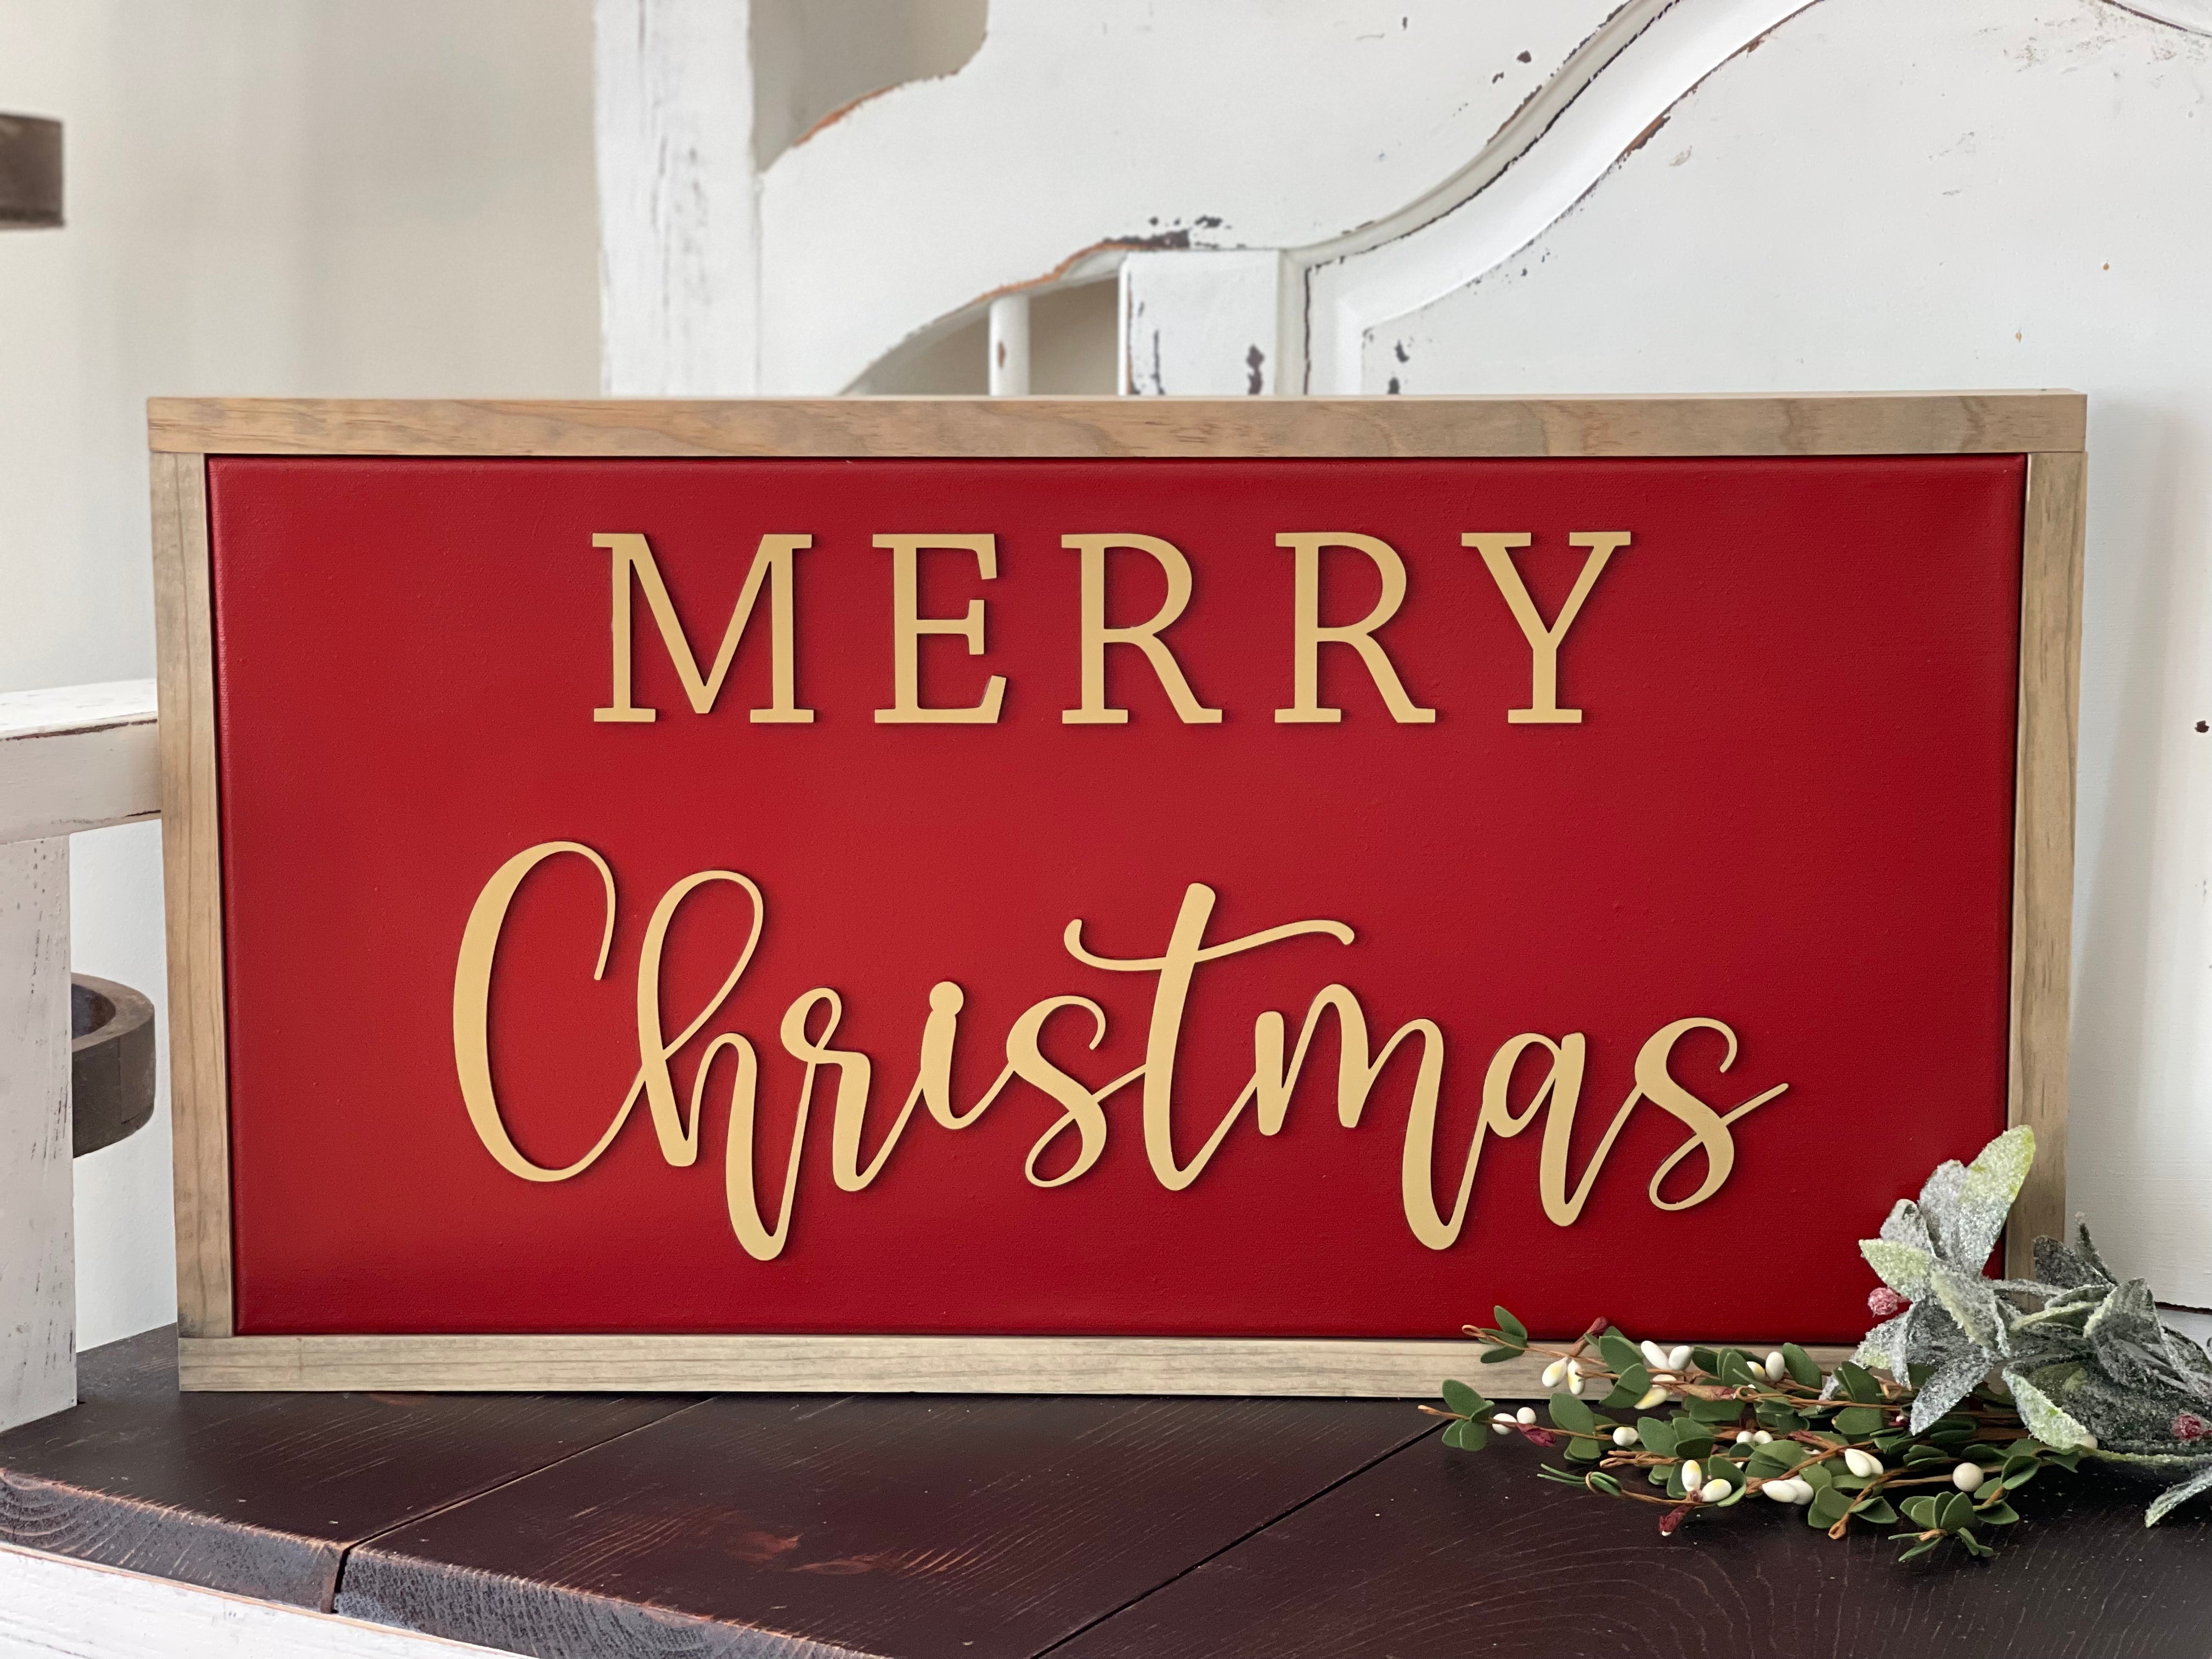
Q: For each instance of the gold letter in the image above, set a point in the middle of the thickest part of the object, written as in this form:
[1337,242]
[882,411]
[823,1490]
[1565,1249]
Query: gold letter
[853,1072]
[1544,642]
[1186,949]
[472,1008]
[908,628]
[772,560]
[1079,1106]
[1308,636]
[1707,1128]
[737,1192]
[679,1143]
[1097,636]
[1562,1084]
[472,1013]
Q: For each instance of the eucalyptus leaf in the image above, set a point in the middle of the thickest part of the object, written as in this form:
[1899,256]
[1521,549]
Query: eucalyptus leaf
[1465,1401]
[1656,1435]
[1857,1385]
[1799,1364]
[1467,1435]
[1635,1380]
[1859,1420]
[1620,1353]
[1512,1326]
[1569,1412]
[1829,1505]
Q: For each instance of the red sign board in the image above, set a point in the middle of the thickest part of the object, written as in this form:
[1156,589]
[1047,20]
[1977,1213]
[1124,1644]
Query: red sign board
[967,895]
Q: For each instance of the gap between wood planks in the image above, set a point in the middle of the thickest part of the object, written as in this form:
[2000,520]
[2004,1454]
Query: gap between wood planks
[1240,1539]
[345,1554]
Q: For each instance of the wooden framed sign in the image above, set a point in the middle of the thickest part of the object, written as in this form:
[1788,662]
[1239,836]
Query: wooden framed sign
[1097,895]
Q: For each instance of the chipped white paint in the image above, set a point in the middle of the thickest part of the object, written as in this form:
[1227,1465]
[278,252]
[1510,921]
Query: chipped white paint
[50,1608]
[1623,79]
[679,241]
[38,1269]
[77,758]
[1085,128]
[1204,324]
[1009,344]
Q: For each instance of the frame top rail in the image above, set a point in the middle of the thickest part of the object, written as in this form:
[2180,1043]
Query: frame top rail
[1879,424]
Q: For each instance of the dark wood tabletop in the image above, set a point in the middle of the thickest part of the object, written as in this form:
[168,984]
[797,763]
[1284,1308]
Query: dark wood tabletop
[956,1528]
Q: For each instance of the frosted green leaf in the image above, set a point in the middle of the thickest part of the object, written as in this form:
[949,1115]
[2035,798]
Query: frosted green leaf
[1972,1304]
[1992,1181]
[2045,1420]
[1902,1267]
[1884,1347]
[2127,1315]
[2164,1503]
[1905,1225]
[1945,1387]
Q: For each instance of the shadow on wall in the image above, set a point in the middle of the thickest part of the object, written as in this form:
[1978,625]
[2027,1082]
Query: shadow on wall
[815,59]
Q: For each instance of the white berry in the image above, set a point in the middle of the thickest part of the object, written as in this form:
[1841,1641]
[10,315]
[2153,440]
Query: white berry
[1525,1416]
[1967,1476]
[1713,1491]
[1862,1463]
[1624,1437]
[1777,1365]
[1554,1372]
[1692,1476]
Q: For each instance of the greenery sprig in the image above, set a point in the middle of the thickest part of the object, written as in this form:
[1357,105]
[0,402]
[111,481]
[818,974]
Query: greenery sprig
[1731,1425]
[1965,1391]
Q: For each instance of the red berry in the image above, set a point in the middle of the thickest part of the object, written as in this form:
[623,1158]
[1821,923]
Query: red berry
[1542,1436]
[1886,1303]
[2188,1425]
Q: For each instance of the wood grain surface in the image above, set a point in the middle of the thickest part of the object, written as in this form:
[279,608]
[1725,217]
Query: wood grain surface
[1436,1554]
[929,1529]
[2043,840]
[1329,1367]
[191,877]
[263,1495]
[1898,423]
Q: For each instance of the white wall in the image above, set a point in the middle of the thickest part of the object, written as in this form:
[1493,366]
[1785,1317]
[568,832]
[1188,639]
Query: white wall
[334,197]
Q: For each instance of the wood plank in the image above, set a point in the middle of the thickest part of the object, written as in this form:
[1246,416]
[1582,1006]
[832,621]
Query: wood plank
[55,1609]
[951,1528]
[1435,1554]
[78,757]
[1960,422]
[192,874]
[2043,840]
[885,1364]
[263,1495]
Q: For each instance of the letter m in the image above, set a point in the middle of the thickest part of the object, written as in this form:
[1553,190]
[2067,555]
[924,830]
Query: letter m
[632,557]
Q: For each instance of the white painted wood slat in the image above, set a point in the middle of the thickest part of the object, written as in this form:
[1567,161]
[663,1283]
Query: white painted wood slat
[50,1608]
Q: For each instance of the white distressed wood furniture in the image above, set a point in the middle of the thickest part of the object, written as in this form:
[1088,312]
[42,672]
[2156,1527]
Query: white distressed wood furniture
[77,758]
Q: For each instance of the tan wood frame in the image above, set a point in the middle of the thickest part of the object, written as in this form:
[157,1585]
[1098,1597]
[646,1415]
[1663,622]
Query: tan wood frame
[2047,427]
